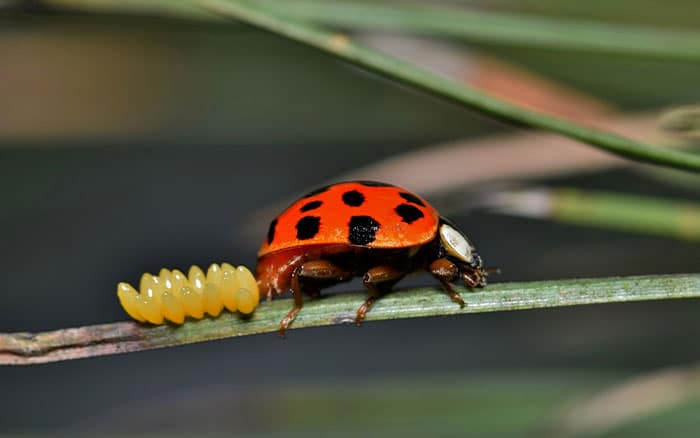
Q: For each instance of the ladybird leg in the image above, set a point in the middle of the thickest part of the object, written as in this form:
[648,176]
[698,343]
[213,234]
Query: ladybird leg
[323,270]
[298,301]
[315,270]
[474,279]
[387,276]
[319,273]
[446,271]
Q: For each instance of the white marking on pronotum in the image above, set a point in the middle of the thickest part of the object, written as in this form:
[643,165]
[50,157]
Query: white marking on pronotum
[455,243]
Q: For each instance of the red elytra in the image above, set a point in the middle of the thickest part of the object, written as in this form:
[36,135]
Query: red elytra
[325,216]
[362,228]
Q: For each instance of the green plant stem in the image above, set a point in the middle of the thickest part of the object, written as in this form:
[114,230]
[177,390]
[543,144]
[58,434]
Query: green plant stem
[663,217]
[619,211]
[124,337]
[184,9]
[682,120]
[495,27]
[467,24]
[344,48]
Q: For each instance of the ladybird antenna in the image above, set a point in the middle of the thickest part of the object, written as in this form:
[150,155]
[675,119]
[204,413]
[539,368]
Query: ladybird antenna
[493,270]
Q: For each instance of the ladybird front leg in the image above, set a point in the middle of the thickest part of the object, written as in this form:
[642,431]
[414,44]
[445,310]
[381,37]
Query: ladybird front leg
[315,270]
[446,272]
[474,278]
[387,276]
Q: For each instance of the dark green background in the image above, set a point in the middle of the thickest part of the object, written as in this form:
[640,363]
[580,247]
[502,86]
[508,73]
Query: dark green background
[174,133]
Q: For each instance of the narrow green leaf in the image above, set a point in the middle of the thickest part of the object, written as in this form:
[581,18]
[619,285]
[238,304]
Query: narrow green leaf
[344,48]
[496,27]
[467,24]
[255,13]
[98,340]
[619,211]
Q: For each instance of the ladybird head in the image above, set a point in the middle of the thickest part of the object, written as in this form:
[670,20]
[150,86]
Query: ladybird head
[456,247]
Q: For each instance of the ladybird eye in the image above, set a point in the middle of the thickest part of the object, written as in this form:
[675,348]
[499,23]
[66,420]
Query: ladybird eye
[455,243]
[476,263]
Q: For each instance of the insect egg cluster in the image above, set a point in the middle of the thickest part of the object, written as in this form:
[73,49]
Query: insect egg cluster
[171,295]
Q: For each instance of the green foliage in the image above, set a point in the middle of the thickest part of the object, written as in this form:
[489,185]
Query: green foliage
[257,14]
[522,406]
[344,48]
[495,27]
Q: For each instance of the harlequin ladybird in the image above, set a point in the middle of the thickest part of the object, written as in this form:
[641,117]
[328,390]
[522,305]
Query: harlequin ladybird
[362,228]
[173,296]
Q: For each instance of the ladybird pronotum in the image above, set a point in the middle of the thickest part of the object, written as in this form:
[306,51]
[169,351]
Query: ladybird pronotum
[172,296]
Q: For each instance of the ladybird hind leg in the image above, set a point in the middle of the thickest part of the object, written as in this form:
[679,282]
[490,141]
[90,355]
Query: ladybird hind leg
[312,270]
[377,280]
[446,272]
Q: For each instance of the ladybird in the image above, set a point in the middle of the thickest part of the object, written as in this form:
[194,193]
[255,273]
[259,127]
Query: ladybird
[362,228]
[172,296]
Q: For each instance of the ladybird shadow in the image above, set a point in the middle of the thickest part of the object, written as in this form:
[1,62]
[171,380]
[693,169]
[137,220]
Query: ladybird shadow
[245,318]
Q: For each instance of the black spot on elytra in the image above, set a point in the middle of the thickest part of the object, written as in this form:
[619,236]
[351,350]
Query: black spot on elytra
[271,231]
[362,229]
[413,199]
[307,227]
[316,192]
[353,198]
[374,184]
[313,205]
[408,213]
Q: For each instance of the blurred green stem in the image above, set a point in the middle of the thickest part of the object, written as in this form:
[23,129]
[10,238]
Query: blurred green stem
[185,9]
[495,27]
[256,14]
[124,337]
[451,22]
[625,403]
[634,213]
[342,47]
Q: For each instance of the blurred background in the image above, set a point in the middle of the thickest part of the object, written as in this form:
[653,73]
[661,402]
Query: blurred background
[129,143]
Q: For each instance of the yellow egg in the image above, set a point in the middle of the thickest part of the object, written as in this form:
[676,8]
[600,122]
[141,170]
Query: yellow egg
[150,310]
[212,300]
[214,274]
[172,309]
[128,297]
[178,280]
[165,278]
[192,302]
[196,279]
[151,287]
[247,300]
[247,281]
[164,275]
[228,286]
